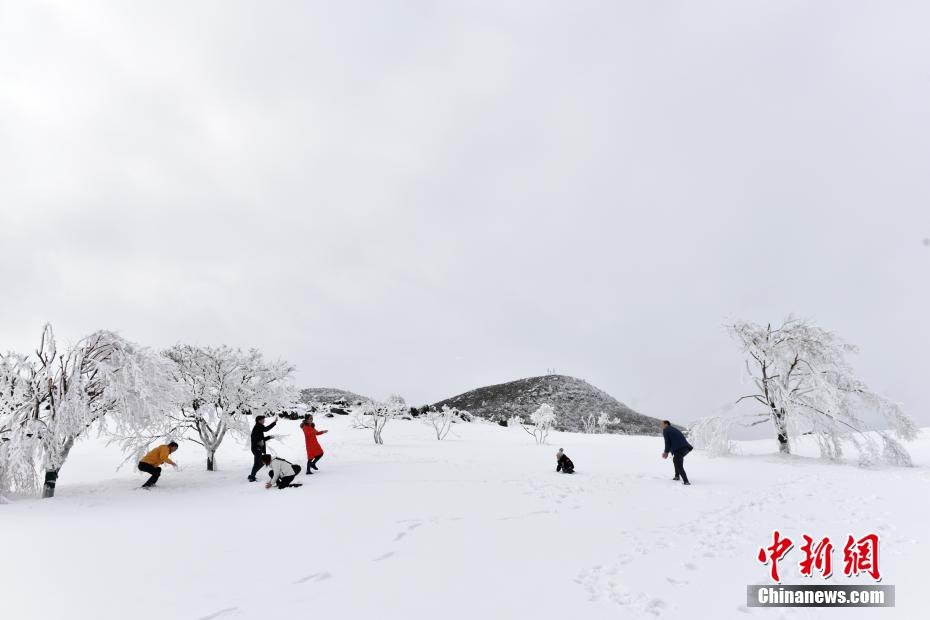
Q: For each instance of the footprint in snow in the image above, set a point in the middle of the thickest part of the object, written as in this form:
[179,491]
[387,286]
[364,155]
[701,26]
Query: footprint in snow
[315,577]
[690,566]
[219,613]
[676,582]
[384,557]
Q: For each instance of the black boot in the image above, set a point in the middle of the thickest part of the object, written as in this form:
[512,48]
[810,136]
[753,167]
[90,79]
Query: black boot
[309,468]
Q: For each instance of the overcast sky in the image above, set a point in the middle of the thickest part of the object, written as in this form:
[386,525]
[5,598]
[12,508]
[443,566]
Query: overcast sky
[423,197]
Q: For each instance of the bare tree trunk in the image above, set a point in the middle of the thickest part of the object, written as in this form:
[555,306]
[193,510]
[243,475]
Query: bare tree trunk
[778,415]
[51,475]
[48,489]
[781,430]
[211,441]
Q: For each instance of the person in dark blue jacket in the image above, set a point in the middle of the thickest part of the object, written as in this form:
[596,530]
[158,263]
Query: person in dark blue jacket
[678,446]
[258,444]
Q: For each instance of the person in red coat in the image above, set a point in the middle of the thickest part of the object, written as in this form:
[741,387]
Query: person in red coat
[314,450]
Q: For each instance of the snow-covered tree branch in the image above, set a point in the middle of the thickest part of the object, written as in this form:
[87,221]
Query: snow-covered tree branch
[17,457]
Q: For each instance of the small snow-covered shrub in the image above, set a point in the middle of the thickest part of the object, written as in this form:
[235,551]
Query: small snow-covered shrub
[543,420]
[442,420]
[375,416]
[589,424]
[712,434]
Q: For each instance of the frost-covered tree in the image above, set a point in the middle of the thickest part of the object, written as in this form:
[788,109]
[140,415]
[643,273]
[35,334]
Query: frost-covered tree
[104,382]
[221,386]
[514,421]
[375,416]
[442,420]
[543,420]
[804,384]
[604,421]
[589,424]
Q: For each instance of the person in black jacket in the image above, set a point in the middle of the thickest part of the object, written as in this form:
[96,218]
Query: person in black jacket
[678,446]
[563,463]
[258,444]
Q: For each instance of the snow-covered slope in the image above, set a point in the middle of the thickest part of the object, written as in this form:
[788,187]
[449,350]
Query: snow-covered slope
[477,526]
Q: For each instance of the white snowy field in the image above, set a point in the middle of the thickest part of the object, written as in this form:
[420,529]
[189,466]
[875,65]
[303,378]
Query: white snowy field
[476,526]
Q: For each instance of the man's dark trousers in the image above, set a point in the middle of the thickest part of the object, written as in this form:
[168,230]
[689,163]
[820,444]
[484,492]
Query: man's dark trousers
[150,469]
[257,464]
[678,460]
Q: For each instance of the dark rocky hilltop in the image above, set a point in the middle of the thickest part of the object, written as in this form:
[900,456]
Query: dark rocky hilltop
[573,399]
[328,396]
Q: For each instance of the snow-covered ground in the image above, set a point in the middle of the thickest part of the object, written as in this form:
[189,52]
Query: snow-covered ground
[476,526]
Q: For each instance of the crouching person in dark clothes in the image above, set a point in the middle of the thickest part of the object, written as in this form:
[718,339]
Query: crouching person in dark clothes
[282,472]
[678,447]
[563,463]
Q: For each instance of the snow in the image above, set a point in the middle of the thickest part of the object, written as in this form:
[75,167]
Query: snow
[476,526]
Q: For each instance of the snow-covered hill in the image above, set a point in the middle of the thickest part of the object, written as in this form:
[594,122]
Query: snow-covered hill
[314,396]
[477,526]
[572,398]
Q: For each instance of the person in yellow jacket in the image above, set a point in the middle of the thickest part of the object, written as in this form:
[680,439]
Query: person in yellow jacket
[151,462]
